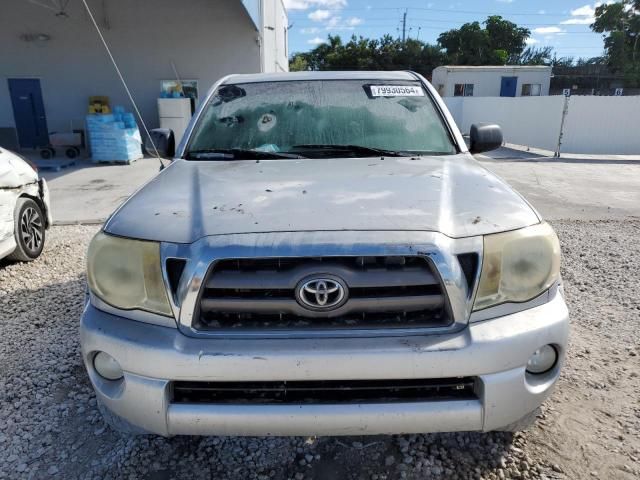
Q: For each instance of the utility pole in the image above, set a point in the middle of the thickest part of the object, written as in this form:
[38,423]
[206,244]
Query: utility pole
[404,26]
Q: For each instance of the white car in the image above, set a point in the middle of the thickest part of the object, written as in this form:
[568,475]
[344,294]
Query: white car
[25,213]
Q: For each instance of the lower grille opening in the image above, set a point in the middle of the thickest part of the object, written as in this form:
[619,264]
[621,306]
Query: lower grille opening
[373,320]
[325,391]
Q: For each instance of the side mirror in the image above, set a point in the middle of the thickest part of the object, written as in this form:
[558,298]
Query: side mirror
[484,137]
[164,141]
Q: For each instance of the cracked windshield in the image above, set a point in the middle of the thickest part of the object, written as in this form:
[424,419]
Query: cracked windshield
[306,117]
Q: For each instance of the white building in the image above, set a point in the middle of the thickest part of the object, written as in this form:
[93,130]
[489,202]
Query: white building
[491,81]
[52,61]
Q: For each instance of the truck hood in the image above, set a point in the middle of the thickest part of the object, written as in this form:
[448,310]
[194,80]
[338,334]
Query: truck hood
[451,194]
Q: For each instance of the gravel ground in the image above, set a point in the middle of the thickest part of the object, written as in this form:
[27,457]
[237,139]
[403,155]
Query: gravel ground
[50,427]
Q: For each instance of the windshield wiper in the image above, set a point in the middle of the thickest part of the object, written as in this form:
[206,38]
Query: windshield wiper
[357,149]
[236,154]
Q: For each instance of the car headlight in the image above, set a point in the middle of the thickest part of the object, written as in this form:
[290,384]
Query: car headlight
[126,274]
[518,266]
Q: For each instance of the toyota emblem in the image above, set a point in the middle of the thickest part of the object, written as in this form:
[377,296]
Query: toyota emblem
[321,293]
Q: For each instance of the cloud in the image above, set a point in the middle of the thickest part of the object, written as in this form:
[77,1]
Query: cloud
[316,41]
[337,23]
[531,41]
[319,15]
[584,11]
[332,23]
[547,30]
[296,4]
[505,1]
[578,21]
[331,3]
[306,4]
[326,13]
[542,12]
[584,15]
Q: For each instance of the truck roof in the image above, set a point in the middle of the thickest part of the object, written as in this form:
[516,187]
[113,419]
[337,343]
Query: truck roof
[341,75]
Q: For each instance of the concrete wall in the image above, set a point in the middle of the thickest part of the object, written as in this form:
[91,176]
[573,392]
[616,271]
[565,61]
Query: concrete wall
[532,121]
[275,37]
[206,39]
[487,80]
[602,125]
[593,125]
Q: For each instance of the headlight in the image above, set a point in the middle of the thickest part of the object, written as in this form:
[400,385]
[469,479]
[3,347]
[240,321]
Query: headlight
[126,274]
[518,266]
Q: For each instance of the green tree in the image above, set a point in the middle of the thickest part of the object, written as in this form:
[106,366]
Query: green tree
[298,64]
[361,53]
[536,56]
[620,25]
[562,61]
[505,36]
[498,42]
[467,45]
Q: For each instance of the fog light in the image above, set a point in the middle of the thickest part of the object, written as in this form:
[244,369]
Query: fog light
[107,366]
[542,360]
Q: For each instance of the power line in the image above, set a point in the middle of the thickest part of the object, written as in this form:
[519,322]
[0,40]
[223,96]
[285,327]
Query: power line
[449,11]
[380,22]
[433,27]
[422,21]
[453,22]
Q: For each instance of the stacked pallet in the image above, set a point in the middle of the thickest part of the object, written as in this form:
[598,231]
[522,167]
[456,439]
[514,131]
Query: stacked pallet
[114,137]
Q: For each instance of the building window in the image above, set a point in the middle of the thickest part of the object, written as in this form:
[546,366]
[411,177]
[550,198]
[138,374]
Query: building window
[463,90]
[531,89]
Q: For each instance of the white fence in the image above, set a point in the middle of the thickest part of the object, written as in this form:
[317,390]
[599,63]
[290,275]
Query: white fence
[597,125]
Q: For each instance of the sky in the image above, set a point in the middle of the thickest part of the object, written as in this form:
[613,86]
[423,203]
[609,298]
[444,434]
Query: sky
[561,24]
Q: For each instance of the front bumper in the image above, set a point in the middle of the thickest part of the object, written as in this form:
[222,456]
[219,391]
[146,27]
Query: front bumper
[495,351]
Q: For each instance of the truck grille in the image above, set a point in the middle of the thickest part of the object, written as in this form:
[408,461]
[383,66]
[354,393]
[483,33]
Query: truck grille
[381,292]
[325,391]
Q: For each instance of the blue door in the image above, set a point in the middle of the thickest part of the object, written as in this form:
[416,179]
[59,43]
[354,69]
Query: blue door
[28,112]
[508,86]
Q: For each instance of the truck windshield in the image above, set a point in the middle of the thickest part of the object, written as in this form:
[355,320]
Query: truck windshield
[319,119]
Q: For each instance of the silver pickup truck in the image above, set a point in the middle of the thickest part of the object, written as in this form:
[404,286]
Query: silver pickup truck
[324,257]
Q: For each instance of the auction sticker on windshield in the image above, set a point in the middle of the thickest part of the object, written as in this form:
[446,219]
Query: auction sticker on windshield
[396,91]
